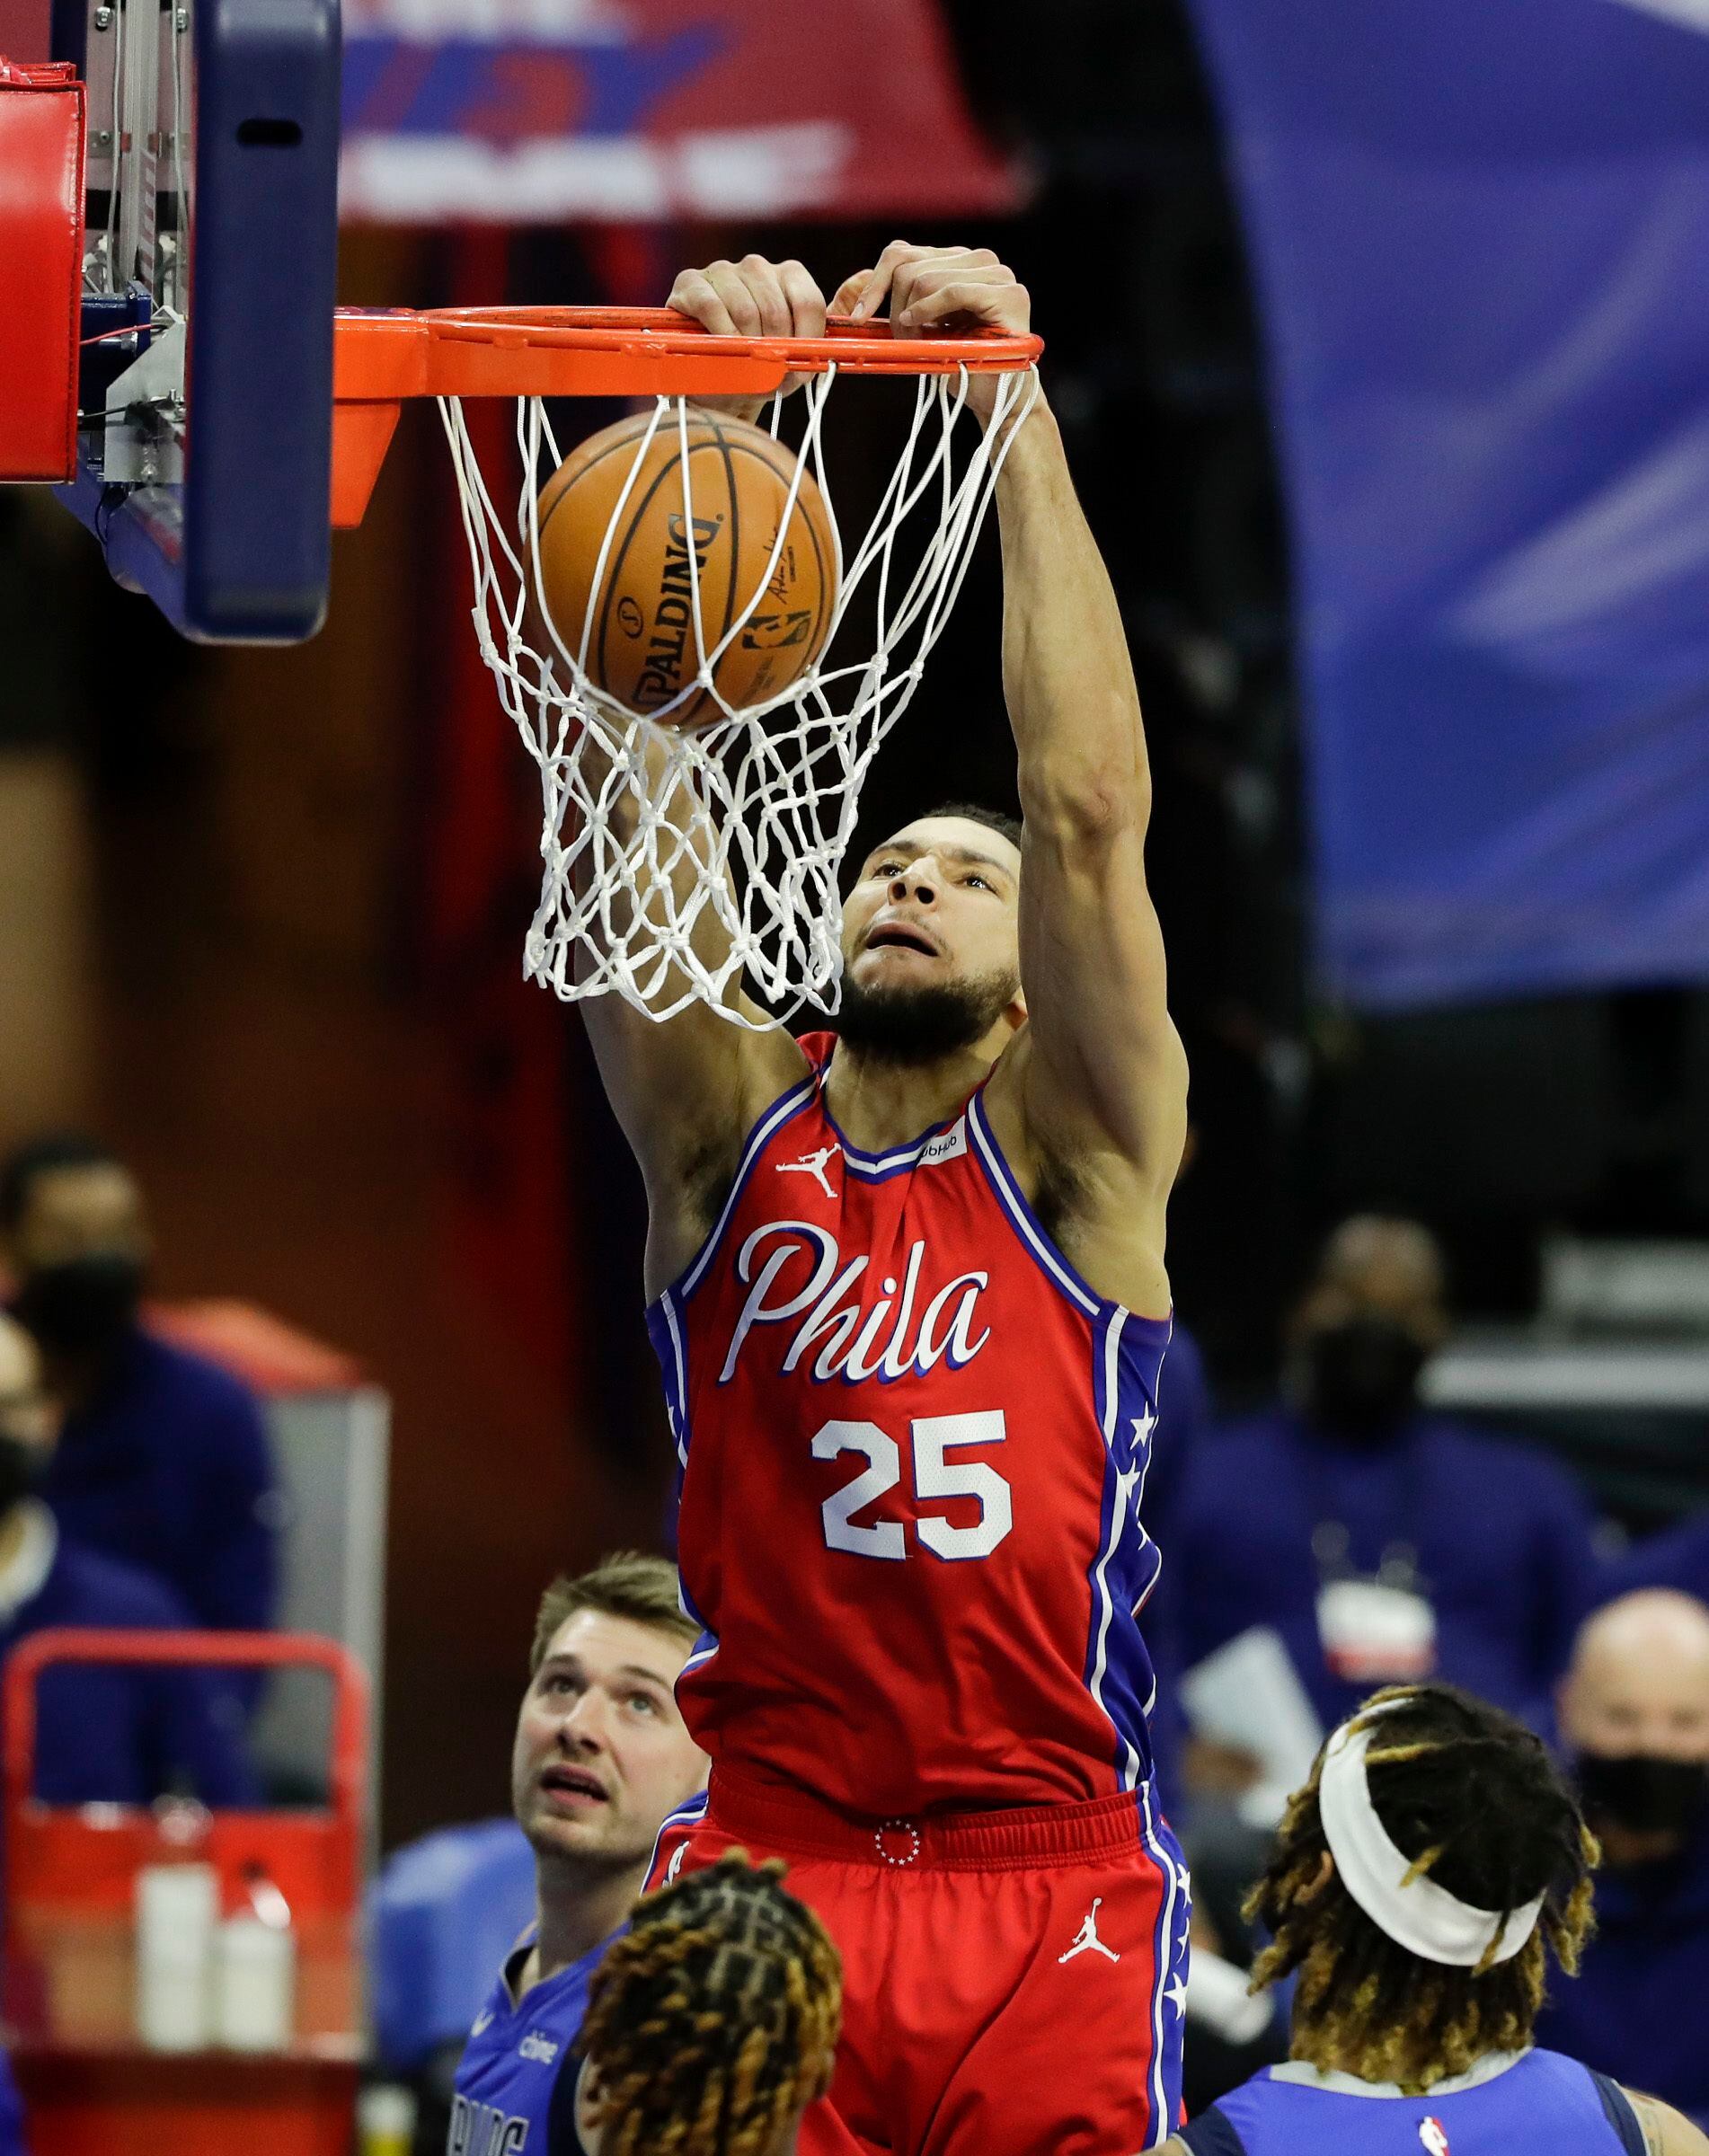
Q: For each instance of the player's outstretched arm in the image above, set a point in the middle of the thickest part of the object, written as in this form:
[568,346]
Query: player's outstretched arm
[1099,1075]
[1667,2132]
[688,1089]
[1105,1067]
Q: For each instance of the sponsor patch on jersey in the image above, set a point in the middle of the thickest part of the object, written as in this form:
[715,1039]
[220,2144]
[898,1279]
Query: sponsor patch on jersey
[948,1145]
[535,2046]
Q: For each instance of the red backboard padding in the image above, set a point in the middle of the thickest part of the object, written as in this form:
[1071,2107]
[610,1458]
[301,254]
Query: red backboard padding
[41,152]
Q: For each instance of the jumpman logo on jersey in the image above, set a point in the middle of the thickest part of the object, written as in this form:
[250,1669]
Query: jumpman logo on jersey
[813,1164]
[1089,1938]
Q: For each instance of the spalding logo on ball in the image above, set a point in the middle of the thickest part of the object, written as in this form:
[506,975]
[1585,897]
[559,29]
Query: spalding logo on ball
[671,547]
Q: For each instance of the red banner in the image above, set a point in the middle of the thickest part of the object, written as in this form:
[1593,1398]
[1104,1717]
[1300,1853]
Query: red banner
[506,112]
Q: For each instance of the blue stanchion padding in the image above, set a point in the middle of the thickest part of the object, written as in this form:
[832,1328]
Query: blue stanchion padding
[445,1912]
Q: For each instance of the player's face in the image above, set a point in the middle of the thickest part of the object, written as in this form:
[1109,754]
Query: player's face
[601,1756]
[936,905]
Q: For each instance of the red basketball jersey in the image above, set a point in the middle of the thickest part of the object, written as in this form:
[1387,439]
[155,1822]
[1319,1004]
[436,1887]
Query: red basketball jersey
[913,1444]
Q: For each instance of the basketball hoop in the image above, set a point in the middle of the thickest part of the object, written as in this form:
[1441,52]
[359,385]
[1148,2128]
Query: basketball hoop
[678,859]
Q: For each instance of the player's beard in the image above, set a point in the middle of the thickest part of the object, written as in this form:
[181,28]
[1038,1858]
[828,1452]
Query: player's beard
[902,1023]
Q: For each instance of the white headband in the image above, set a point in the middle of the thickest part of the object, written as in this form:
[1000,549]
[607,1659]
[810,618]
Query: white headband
[1417,1914]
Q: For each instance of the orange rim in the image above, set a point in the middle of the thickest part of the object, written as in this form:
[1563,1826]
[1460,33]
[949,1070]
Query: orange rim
[381,357]
[433,352]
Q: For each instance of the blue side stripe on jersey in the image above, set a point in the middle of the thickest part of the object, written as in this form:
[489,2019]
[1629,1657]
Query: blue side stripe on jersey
[1112,1521]
[1171,1917]
[689,1814]
[673,1368]
[707,1644]
[1126,1362]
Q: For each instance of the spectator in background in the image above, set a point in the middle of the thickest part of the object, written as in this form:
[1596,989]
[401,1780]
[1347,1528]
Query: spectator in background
[106,1732]
[1379,1541]
[1677,1557]
[1634,1713]
[162,1461]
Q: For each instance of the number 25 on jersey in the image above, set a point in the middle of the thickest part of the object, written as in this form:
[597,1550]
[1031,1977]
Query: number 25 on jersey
[935,1475]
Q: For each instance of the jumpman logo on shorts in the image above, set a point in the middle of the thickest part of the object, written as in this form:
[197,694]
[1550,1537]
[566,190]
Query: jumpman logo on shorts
[1089,1938]
[811,1164]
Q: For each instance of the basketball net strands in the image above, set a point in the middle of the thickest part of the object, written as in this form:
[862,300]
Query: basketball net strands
[679,858]
[199,392]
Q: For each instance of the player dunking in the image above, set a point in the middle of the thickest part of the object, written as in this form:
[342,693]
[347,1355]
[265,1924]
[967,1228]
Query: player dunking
[907,1291]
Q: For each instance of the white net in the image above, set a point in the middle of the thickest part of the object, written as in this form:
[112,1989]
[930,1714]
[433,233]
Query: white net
[678,860]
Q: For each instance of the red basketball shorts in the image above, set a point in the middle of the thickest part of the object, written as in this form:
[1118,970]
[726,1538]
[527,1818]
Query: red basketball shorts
[1014,1982]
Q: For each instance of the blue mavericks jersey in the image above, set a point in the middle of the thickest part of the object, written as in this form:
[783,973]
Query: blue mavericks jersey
[1528,2103]
[512,2062]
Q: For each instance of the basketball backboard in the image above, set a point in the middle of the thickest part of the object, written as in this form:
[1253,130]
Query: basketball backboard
[205,395]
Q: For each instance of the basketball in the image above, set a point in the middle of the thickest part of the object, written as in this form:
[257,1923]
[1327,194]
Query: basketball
[642,649]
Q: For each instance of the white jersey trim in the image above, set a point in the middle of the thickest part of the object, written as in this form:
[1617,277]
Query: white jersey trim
[1335,2082]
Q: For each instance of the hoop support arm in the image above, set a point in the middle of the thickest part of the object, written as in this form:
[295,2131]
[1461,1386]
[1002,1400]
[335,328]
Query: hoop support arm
[379,358]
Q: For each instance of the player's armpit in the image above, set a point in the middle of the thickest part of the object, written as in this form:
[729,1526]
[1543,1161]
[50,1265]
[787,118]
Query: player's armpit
[1667,2132]
[686,1091]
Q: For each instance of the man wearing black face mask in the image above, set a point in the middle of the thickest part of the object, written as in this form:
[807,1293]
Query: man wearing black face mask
[103,1733]
[163,1462]
[1380,1541]
[1634,1715]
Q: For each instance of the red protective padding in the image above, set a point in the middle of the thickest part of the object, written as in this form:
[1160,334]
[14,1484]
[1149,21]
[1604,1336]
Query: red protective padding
[41,154]
[69,1951]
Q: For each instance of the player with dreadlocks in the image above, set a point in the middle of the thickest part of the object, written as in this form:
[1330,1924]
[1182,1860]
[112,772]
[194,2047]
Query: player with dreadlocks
[1423,1879]
[713,2023]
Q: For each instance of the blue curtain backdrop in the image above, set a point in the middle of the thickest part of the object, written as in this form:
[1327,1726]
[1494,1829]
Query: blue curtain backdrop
[1480,230]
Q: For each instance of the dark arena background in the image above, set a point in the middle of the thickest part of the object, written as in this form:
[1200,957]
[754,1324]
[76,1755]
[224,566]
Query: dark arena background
[1408,528]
